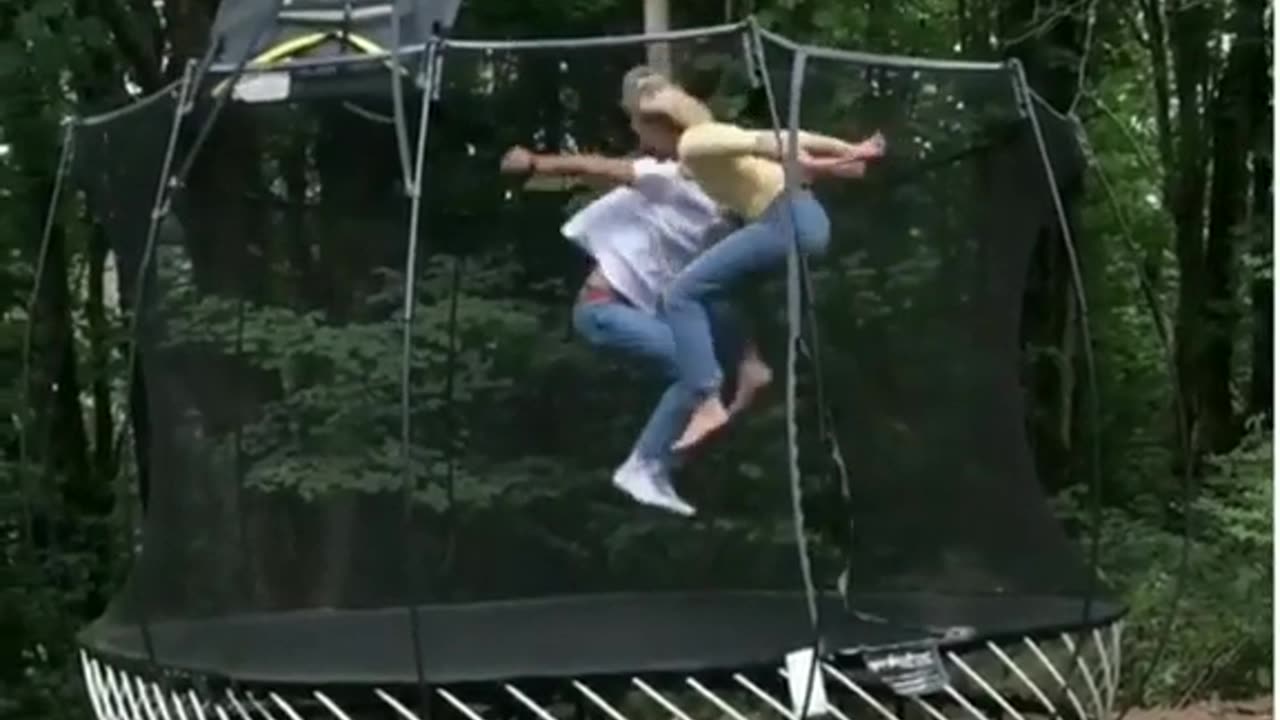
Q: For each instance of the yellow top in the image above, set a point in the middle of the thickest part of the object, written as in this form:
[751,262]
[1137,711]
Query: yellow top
[722,159]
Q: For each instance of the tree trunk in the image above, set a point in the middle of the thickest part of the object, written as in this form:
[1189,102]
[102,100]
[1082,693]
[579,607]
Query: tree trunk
[1261,399]
[1228,204]
[1209,317]
[1186,182]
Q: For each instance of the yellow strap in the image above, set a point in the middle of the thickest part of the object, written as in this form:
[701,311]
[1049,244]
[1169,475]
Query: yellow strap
[306,42]
[297,45]
[285,50]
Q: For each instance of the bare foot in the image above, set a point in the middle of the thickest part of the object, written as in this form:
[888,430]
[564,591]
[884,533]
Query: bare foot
[707,418]
[753,376]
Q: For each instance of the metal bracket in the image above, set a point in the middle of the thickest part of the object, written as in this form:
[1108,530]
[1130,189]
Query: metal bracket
[1018,77]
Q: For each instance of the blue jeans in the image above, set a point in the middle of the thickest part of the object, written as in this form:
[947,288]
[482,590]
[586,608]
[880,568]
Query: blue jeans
[689,299]
[617,327]
[760,245]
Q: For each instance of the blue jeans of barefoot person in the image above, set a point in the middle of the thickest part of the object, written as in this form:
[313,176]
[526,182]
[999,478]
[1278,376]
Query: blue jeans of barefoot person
[689,305]
[607,322]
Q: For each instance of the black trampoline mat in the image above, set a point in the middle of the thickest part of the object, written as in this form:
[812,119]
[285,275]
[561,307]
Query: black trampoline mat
[577,636]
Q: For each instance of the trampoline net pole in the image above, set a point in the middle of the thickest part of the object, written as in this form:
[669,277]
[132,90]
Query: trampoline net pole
[417,196]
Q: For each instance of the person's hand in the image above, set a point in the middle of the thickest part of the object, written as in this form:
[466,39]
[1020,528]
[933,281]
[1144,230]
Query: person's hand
[517,161]
[872,148]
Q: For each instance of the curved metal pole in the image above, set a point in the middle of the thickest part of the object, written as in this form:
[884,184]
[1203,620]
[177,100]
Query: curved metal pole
[598,41]
[813,346]
[865,58]
[795,329]
[794,321]
[406,359]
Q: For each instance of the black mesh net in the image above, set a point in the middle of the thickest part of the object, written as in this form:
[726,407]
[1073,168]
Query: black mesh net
[272,337]
[918,308]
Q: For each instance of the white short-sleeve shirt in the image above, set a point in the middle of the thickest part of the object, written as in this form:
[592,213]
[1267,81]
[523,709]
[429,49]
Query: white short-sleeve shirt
[641,235]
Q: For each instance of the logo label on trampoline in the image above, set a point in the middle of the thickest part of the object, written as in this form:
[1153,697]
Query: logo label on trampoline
[909,672]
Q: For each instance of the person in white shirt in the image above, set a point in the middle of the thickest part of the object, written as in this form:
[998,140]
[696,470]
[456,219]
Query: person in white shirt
[641,234]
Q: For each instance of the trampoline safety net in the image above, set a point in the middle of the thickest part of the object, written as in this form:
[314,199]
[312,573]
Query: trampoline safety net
[307,487]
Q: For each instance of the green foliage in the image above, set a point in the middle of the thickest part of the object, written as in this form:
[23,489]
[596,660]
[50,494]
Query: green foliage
[1220,601]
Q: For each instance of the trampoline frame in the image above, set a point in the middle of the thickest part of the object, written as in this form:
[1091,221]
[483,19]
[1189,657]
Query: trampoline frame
[1083,689]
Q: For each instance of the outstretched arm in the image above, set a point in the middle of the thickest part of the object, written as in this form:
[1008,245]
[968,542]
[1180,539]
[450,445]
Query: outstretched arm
[714,139]
[596,169]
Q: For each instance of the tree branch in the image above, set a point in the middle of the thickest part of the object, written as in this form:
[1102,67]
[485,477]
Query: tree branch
[1130,23]
[1044,26]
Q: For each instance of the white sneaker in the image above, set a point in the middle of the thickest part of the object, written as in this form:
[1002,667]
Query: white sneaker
[647,484]
[637,481]
[671,500]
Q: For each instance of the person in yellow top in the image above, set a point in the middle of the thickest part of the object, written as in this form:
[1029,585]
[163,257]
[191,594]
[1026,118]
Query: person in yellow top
[741,169]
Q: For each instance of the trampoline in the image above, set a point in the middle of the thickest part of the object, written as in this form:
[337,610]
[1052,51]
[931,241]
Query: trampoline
[374,468]
[576,636]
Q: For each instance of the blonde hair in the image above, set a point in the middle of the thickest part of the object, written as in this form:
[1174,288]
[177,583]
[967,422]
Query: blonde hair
[639,79]
[670,101]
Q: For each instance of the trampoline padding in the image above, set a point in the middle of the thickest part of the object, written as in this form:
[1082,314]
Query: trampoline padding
[992,617]
[579,636]
[556,637]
